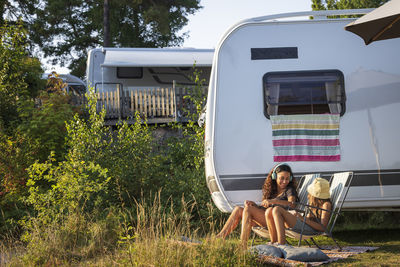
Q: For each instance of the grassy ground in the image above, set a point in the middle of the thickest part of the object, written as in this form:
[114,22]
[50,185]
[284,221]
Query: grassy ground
[388,241]
[216,252]
[152,241]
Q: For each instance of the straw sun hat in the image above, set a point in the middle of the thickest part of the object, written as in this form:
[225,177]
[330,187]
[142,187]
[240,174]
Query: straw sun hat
[319,188]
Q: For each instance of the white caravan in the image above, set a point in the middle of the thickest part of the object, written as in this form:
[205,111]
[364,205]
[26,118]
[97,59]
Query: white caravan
[74,85]
[303,56]
[136,68]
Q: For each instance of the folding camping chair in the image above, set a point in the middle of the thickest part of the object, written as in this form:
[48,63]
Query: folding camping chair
[339,187]
[304,182]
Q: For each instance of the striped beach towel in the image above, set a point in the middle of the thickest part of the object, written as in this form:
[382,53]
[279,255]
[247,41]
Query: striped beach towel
[313,137]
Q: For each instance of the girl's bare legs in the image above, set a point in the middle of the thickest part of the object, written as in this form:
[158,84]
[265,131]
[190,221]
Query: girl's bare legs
[282,217]
[271,225]
[232,222]
[252,215]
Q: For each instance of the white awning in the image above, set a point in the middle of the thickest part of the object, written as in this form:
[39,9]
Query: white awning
[157,57]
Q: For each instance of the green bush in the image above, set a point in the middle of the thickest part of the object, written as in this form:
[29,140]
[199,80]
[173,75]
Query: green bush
[45,125]
[41,129]
[74,184]
[20,74]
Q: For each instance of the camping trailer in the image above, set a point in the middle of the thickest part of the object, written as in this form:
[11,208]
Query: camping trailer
[74,85]
[291,66]
[150,81]
[135,68]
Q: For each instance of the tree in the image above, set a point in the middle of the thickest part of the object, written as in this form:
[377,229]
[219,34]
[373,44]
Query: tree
[65,30]
[19,73]
[106,24]
[18,9]
[345,4]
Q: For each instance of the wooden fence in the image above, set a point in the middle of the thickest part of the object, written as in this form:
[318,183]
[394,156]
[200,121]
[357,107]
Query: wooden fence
[156,105]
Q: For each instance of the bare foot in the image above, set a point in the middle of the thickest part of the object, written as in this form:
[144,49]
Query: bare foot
[243,245]
[220,235]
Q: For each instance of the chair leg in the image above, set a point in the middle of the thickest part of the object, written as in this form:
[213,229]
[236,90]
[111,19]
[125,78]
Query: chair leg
[307,242]
[252,240]
[337,244]
[315,243]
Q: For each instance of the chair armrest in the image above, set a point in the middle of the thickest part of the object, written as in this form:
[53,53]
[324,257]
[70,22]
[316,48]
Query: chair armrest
[318,208]
[296,209]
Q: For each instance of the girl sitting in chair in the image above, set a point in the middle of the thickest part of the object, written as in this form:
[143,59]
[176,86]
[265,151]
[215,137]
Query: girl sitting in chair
[316,220]
[279,189]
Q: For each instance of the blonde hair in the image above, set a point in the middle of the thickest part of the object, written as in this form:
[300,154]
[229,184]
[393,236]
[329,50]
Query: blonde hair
[316,202]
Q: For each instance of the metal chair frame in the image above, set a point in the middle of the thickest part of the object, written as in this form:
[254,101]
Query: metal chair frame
[339,186]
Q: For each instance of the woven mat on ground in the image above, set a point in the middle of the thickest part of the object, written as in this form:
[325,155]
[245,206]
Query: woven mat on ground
[334,255]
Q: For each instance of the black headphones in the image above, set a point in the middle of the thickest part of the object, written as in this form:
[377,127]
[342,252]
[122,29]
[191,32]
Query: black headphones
[274,175]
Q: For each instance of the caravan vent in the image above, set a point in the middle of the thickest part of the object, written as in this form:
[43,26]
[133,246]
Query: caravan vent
[274,53]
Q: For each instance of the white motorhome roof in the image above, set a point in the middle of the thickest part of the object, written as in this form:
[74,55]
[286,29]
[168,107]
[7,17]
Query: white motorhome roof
[67,78]
[157,57]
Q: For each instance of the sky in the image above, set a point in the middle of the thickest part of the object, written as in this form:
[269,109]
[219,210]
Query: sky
[208,24]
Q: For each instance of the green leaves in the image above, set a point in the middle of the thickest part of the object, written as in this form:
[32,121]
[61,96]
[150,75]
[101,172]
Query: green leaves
[19,73]
[100,170]
[65,31]
[346,4]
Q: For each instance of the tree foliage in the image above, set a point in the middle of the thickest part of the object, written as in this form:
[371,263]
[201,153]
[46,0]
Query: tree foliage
[346,4]
[12,10]
[106,169]
[65,30]
[19,73]
[44,122]
[102,169]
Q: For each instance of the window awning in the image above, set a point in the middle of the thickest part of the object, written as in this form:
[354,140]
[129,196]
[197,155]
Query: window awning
[157,57]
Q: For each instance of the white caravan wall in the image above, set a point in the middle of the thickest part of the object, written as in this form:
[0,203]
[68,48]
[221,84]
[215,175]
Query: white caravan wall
[242,134]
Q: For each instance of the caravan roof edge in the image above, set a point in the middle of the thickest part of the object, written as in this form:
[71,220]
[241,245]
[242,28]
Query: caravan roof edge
[142,57]
[155,49]
[318,14]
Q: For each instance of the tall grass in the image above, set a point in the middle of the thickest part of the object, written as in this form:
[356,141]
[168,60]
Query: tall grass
[70,240]
[156,239]
[147,234]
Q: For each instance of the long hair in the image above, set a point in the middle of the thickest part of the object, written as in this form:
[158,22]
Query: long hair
[270,187]
[317,202]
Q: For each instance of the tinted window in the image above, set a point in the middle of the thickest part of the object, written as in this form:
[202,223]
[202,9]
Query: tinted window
[304,92]
[130,72]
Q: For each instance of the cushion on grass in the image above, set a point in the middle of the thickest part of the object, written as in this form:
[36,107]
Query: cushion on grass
[304,254]
[267,250]
[187,239]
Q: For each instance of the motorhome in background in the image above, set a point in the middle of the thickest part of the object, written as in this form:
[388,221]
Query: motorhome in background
[151,80]
[74,85]
[290,64]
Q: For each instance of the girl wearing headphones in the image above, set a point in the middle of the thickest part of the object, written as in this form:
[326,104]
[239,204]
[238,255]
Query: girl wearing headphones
[316,221]
[279,189]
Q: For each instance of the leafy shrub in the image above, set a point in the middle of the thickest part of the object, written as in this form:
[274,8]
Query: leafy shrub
[40,130]
[19,74]
[102,170]
[117,170]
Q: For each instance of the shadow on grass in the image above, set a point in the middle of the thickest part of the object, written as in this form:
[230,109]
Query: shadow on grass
[387,241]
[368,236]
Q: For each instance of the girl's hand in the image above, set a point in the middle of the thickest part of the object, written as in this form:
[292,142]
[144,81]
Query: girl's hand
[265,203]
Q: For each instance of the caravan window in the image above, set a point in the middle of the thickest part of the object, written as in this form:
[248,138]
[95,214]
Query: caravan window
[304,92]
[130,72]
